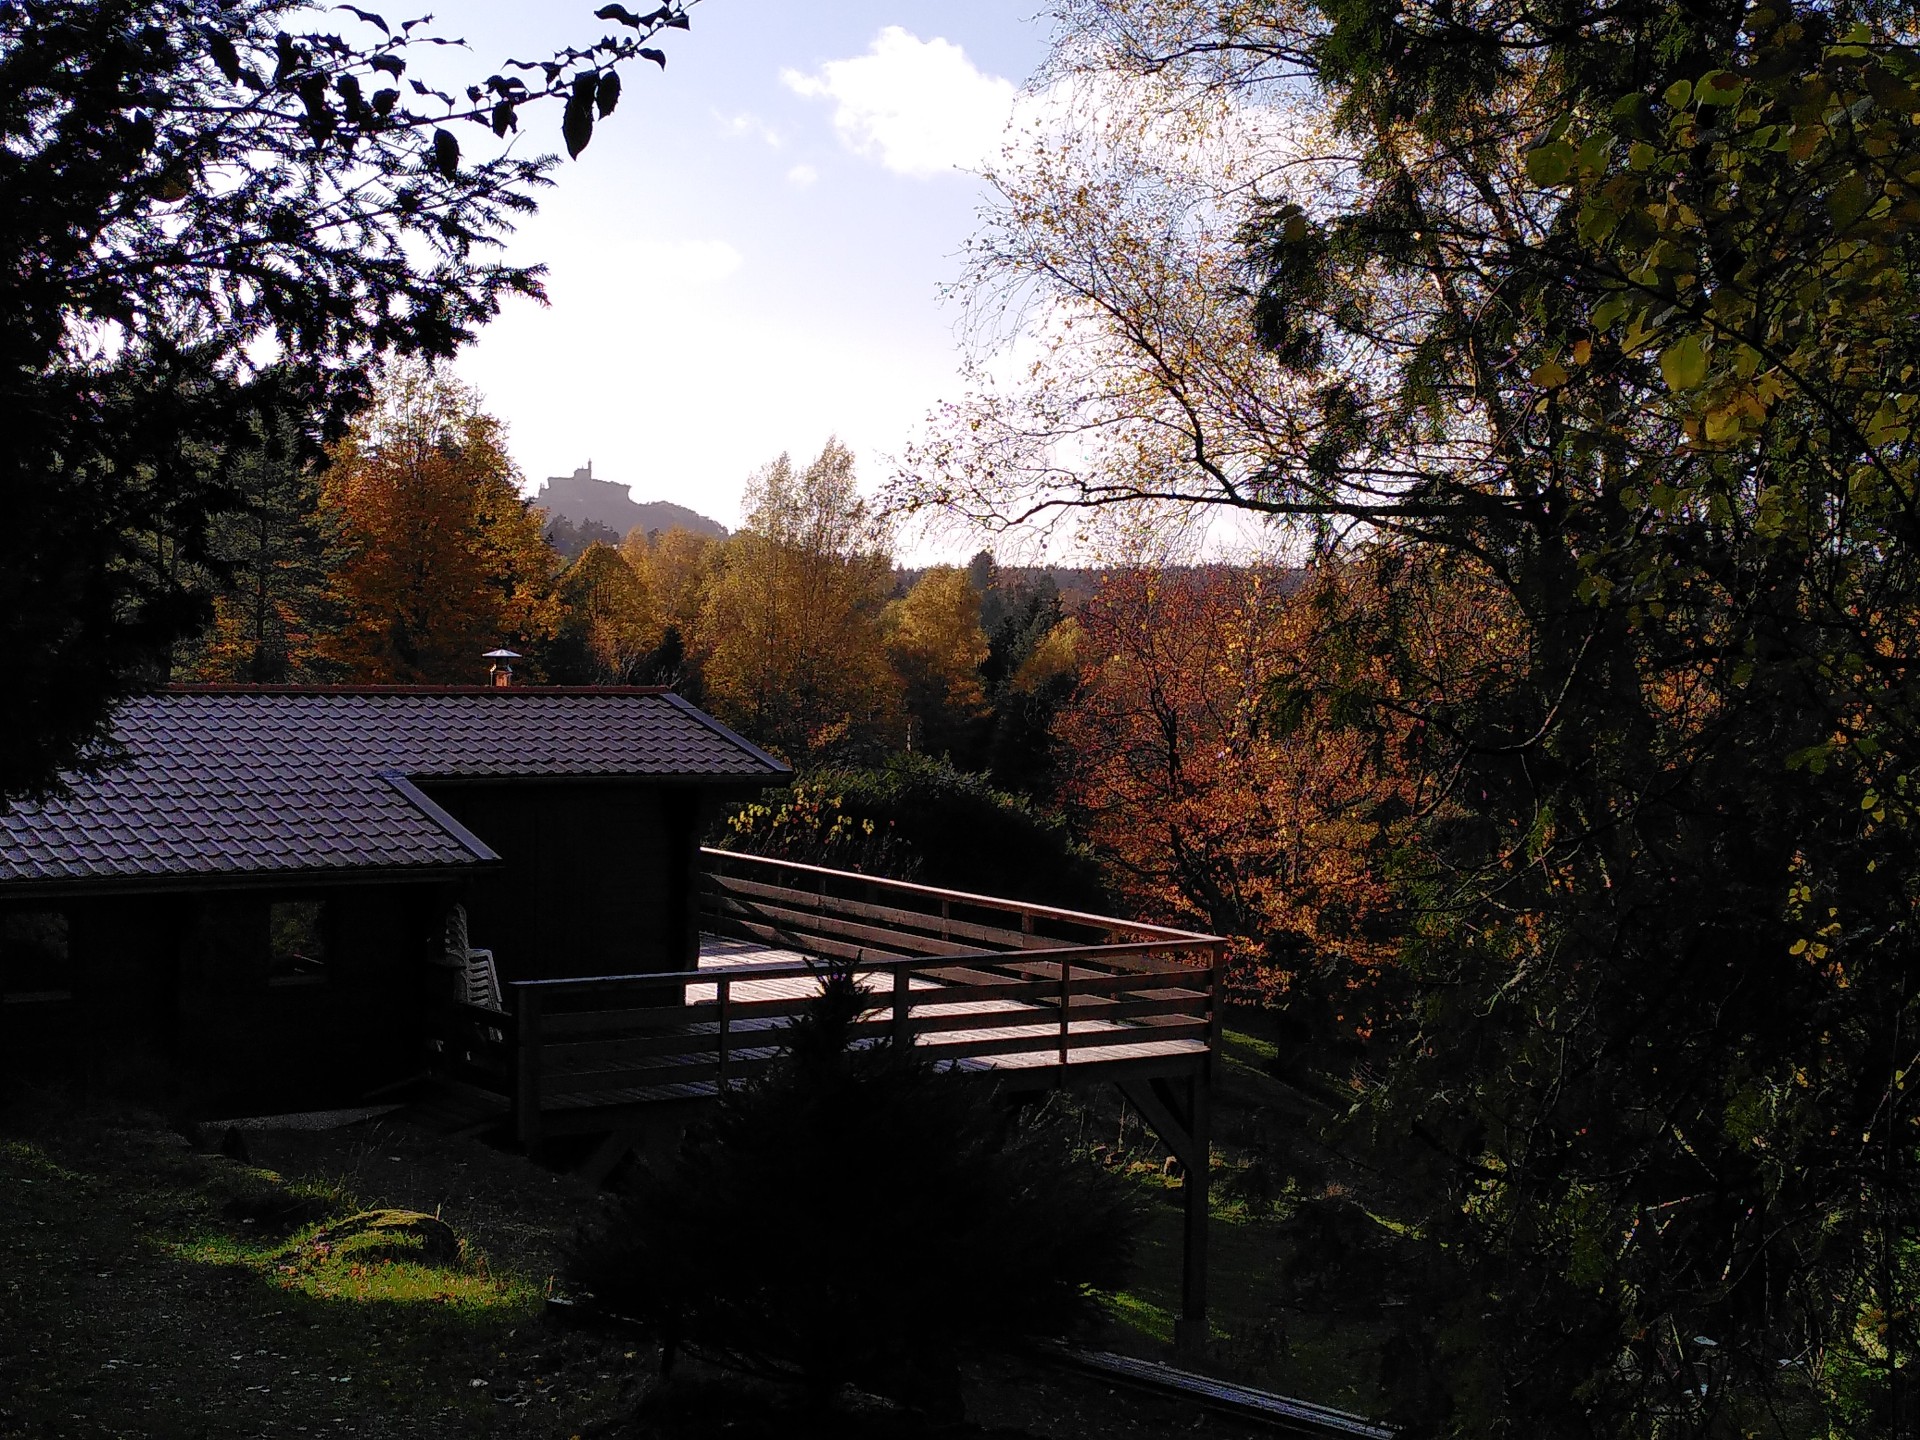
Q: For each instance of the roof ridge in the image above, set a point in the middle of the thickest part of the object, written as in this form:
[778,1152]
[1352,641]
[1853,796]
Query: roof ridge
[693,711]
[424,803]
[502,690]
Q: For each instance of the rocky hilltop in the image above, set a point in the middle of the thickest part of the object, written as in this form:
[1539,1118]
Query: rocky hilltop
[581,499]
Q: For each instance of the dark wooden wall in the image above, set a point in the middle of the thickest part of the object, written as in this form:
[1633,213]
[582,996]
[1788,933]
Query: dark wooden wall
[598,879]
[171,994]
[171,1000]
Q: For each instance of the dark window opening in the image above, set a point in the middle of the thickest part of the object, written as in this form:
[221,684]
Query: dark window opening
[34,968]
[298,931]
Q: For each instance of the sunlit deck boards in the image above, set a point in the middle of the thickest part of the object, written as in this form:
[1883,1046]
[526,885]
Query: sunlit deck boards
[1034,994]
[1130,1041]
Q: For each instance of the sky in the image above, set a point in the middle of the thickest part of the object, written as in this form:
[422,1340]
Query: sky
[751,253]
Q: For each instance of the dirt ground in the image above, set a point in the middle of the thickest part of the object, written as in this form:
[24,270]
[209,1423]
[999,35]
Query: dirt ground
[152,1289]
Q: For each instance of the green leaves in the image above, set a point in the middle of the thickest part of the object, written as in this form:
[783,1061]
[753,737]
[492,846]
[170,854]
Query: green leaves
[1683,364]
[1718,87]
[1550,164]
[1848,201]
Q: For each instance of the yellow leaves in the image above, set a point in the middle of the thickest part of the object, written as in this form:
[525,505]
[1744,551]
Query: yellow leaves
[1582,352]
[935,639]
[1739,411]
[610,609]
[793,654]
[1892,422]
[1056,655]
[1550,375]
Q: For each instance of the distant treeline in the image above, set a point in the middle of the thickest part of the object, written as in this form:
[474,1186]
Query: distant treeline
[993,727]
[413,551]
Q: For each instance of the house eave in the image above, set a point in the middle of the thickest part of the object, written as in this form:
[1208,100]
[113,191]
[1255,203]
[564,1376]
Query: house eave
[193,882]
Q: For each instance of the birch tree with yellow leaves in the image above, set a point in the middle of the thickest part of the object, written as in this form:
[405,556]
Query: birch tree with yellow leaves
[790,628]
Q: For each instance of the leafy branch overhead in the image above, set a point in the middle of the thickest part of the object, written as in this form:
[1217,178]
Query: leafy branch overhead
[216,209]
[1722,206]
[1591,325]
[238,174]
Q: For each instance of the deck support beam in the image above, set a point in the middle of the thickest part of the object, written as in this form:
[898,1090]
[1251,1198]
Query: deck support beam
[529,1008]
[1184,1124]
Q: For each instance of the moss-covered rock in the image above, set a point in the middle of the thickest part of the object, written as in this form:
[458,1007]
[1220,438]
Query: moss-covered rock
[373,1235]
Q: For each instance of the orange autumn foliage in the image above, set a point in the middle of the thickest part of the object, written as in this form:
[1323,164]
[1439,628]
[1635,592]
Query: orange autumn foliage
[1231,787]
[445,558]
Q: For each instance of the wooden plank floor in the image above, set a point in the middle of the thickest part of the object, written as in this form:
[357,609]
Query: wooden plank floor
[452,1107]
[1132,1042]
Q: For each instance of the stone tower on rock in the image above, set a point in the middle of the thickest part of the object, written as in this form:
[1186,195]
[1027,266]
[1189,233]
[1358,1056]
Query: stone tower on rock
[580,498]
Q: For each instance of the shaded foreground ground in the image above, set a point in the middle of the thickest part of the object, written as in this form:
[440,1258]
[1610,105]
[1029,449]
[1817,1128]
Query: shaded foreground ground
[151,1290]
[1268,1330]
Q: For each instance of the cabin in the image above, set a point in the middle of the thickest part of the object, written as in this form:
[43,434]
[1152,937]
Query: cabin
[284,898]
[254,901]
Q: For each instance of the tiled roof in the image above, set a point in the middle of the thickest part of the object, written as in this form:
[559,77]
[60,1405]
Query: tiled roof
[239,782]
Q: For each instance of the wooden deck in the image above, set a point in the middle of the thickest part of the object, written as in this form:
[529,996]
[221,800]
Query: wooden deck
[1028,993]
[1023,994]
[967,1035]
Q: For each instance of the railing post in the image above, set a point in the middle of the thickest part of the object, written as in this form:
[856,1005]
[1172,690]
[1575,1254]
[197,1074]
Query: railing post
[1190,1329]
[902,1007]
[946,919]
[1216,1006]
[724,991]
[527,1086]
[1066,977]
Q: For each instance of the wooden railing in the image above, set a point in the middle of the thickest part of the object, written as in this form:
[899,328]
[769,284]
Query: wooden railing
[971,982]
[845,915]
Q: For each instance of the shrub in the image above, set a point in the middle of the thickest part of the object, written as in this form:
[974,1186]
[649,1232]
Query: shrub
[917,818]
[856,1217]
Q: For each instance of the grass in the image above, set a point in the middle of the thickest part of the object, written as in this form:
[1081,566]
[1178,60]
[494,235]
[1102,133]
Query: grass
[365,1266]
[1260,1335]
[144,1294]
[150,1289]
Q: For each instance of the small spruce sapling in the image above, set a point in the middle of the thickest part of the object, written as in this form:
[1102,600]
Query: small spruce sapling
[856,1216]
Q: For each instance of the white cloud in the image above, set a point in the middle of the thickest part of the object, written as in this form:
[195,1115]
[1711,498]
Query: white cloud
[689,262]
[748,126]
[802,176]
[919,107]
